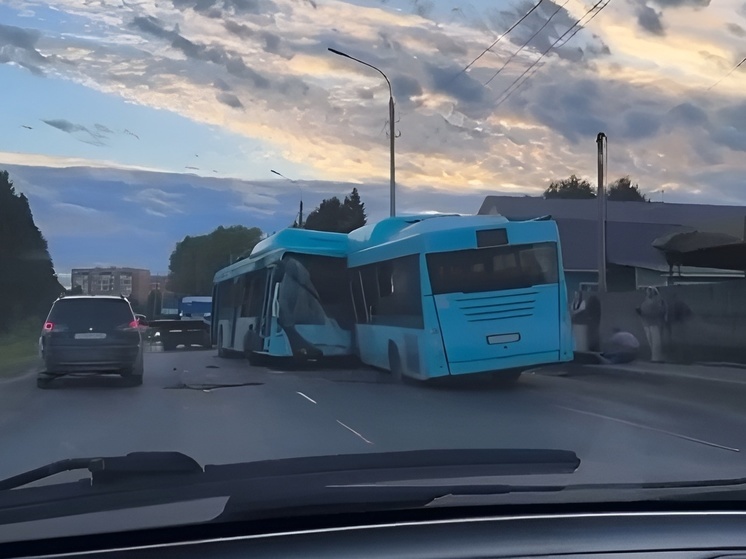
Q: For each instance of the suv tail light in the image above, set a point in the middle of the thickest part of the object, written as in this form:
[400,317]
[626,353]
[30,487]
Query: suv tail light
[48,326]
[134,324]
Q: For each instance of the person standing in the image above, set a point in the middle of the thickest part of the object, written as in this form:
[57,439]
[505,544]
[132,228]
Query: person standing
[653,312]
[593,308]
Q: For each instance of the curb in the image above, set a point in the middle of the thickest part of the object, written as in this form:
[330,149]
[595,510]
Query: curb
[617,370]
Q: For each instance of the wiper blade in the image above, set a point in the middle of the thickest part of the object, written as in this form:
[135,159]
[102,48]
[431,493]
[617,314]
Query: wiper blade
[416,464]
[111,469]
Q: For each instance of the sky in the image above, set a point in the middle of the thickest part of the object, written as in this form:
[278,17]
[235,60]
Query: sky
[132,123]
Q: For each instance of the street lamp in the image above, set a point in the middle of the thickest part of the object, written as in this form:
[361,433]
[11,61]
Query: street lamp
[391,127]
[300,192]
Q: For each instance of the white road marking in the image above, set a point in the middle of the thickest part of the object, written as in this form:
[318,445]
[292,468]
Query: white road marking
[307,398]
[641,426]
[353,430]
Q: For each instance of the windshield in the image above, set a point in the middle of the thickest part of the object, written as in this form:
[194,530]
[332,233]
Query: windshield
[90,313]
[364,227]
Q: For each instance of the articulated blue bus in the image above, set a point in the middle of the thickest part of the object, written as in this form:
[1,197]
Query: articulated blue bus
[289,298]
[452,295]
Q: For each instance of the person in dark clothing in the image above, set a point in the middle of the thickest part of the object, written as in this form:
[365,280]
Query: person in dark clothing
[593,310]
[677,315]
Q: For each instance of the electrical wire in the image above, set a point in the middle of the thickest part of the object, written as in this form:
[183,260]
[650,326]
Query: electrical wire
[575,28]
[524,45]
[489,48]
[728,74]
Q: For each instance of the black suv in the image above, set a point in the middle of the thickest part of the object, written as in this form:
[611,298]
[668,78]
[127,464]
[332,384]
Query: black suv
[91,334]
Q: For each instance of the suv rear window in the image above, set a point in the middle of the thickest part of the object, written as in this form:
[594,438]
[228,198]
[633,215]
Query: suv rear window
[91,313]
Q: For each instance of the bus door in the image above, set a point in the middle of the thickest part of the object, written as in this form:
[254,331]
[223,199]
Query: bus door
[270,292]
[236,298]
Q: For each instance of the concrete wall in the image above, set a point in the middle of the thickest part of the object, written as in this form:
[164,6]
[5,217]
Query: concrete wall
[716,331]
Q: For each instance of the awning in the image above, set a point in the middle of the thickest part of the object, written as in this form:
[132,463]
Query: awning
[703,250]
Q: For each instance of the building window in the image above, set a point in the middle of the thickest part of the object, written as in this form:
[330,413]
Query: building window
[104,283]
[125,284]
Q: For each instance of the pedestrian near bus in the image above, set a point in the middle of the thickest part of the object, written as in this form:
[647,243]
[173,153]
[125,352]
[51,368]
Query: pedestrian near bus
[653,312]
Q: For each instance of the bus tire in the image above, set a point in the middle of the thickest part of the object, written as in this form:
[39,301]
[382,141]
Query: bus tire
[248,350]
[395,365]
[221,350]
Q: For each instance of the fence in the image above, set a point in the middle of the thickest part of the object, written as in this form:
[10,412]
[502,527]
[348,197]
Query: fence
[716,330]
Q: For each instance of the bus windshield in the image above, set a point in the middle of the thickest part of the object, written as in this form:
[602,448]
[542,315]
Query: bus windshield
[493,269]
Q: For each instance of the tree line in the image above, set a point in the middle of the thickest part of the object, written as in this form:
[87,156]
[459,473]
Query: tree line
[574,188]
[196,259]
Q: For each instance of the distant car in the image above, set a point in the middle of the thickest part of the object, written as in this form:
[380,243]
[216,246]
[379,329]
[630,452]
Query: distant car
[91,334]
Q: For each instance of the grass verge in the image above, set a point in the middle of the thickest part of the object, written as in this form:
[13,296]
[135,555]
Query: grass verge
[18,350]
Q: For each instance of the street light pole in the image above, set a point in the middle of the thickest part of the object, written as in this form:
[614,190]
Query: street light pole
[392,133]
[300,191]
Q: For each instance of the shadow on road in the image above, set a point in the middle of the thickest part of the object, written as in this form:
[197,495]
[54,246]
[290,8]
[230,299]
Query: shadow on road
[88,382]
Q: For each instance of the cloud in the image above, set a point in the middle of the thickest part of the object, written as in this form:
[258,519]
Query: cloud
[230,100]
[680,3]
[157,202]
[18,45]
[736,29]
[650,20]
[94,137]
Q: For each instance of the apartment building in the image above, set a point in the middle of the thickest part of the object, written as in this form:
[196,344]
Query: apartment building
[130,282]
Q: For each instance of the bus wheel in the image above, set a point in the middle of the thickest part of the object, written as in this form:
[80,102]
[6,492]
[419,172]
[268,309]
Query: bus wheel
[505,379]
[221,350]
[395,363]
[249,343]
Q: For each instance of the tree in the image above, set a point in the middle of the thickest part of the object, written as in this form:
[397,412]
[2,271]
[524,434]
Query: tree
[340,217]
[622,190]
[27,279]
[570,188]
[195,260]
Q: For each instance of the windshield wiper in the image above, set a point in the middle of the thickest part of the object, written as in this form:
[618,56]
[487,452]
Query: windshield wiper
[111,469]
[271,487]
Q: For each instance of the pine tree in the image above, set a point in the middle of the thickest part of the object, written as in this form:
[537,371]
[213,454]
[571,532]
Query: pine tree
[27,278]
[339,217]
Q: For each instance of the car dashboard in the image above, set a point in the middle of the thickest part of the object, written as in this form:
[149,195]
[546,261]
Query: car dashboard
[591,535]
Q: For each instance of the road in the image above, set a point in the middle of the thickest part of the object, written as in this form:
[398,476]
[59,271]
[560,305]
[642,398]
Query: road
[623,427]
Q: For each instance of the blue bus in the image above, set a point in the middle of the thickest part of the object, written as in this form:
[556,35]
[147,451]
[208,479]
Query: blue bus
[452,295]
[289,298]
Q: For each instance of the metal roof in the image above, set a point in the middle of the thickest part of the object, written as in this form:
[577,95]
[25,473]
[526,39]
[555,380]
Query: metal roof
[627,244]
[705,217]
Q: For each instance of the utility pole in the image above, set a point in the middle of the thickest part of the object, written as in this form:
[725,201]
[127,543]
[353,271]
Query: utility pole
[392,130]
[601,195]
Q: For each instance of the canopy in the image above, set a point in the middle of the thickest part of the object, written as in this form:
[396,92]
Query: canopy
[702,249]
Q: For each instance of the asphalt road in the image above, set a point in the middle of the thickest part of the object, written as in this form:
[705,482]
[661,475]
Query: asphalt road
[623,427]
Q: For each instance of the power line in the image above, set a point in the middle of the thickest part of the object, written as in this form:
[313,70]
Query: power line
[541,56]
[728,74]
[485,51]
[512,56]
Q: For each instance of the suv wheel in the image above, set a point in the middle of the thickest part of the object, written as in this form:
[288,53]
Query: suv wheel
[133,376]
[43,382]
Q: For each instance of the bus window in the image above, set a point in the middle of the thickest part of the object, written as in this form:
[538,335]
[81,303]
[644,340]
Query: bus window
[225,300]
[392,292]
[253,294]
[358,299]
[492,269]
